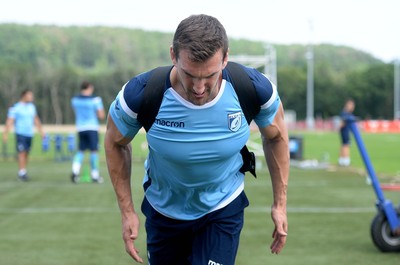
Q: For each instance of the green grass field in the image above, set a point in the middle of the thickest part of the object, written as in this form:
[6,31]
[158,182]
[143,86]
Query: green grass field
[50,221]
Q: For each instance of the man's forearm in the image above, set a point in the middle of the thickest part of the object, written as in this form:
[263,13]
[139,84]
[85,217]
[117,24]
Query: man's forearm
[278,159]
[8,125]
[118,159]
[39,126]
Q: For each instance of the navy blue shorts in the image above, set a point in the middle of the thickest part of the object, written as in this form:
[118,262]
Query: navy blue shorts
[211,239]
[88,140]
[23,143]
[345,135]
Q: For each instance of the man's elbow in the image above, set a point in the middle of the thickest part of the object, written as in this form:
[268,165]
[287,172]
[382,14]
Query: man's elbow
[101,115]
[113,135]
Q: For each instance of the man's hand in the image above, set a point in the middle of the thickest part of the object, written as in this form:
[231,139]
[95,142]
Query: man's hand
[130,232]
[5,137]
[279,235]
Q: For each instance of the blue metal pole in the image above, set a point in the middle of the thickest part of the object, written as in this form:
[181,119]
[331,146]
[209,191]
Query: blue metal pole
[367,161]
[385,205]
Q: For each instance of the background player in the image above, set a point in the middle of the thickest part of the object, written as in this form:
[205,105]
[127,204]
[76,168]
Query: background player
[88,110]
[345,115]
[23,116]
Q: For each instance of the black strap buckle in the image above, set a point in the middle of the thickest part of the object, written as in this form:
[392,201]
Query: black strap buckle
[249,161]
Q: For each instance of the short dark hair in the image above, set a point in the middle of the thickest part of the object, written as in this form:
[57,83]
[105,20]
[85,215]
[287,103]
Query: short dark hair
[24,92]
[85,85]
[202,36]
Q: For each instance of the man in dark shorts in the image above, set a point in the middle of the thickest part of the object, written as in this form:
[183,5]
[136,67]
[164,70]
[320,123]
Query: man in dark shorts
[194,190]
[345,115]
[23,116]
[88,110]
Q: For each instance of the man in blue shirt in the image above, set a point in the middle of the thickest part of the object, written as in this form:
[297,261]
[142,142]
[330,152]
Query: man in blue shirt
[346,115]
[88,110]
[23,116]
[194,191]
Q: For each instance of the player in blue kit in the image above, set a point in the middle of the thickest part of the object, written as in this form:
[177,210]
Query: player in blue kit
[88,110]
[194,191]
[23,116]
[346,115]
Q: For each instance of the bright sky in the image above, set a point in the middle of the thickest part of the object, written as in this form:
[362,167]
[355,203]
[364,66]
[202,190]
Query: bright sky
[369,25]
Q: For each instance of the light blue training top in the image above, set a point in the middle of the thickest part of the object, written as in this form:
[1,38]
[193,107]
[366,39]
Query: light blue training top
[24,114]
[194,151]
[85,108]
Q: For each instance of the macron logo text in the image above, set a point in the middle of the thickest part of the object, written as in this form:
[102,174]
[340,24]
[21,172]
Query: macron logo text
[175,124]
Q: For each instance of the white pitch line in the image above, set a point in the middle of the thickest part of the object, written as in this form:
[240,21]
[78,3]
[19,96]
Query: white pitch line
[316,209]
[333,210]
[57,210]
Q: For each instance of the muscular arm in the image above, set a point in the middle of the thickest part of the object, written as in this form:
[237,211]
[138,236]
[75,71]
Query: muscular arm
[118,156]
[38,125]
[7,128]
[276,150]
[101,114]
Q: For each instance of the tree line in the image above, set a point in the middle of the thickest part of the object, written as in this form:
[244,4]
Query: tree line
[53,61]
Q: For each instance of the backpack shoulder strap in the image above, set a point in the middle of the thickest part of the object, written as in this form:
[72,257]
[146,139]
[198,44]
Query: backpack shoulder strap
[152,96]
[248,100]
[245,90]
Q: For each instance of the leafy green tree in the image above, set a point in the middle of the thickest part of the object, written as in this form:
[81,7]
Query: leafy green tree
[372,90]
[292,89]
[53,61]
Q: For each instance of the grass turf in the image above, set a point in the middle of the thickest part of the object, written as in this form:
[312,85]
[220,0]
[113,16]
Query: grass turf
[52,221]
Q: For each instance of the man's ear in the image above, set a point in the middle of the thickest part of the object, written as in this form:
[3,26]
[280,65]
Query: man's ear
[225,62]
[172,54]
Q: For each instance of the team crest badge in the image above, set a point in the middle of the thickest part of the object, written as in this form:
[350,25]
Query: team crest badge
[235,121]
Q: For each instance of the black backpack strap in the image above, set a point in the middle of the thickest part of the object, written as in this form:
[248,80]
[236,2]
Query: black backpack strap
[245,90]
[249,103]
[152,96]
